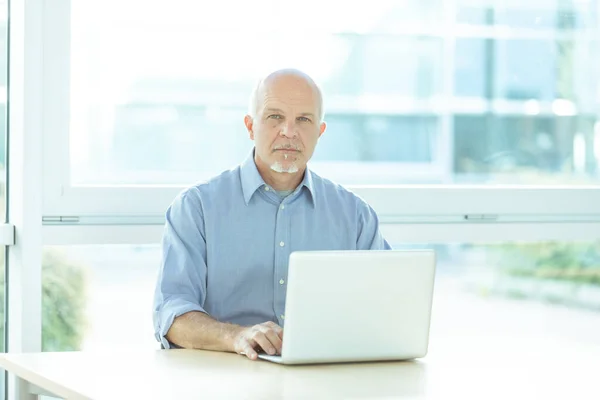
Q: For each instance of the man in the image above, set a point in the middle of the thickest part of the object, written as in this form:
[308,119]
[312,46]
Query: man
[226,244]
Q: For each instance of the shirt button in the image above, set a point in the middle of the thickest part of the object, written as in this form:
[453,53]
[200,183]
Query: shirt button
[281,244]
[266,188]
[281,281]
[282,206]
[282,316]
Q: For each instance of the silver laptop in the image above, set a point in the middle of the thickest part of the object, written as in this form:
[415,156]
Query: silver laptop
[350,306]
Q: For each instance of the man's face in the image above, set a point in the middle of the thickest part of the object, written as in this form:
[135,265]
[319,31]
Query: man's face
[286,127]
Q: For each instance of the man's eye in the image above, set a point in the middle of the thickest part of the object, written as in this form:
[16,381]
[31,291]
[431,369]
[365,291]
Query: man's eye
[275,116]
[304,119]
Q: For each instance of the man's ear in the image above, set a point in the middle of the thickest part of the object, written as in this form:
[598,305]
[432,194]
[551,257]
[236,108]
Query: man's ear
[249,122]
[322,128]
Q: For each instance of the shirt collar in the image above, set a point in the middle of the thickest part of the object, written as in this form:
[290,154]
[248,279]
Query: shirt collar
[251,179]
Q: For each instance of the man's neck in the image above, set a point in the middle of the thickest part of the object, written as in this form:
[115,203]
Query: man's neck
[279,181]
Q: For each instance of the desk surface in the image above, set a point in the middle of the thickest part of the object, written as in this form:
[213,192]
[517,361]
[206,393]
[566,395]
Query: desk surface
[459,368]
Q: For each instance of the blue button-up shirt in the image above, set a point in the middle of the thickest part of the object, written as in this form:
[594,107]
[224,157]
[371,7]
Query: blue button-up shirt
[227,242]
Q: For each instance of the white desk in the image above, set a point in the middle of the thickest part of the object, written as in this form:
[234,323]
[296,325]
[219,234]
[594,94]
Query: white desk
[465,368]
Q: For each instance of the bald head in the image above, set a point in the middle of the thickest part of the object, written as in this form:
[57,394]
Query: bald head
[295,82]
[285,121]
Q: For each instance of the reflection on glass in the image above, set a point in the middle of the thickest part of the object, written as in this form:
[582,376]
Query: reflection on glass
[395,76]
[64,289]
[470,68]
[549,290]
[399,66]
[377,138]
[526,149]
[525,69]
[552,15]
[100,297]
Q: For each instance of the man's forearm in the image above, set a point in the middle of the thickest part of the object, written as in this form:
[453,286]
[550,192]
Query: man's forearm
[196,330]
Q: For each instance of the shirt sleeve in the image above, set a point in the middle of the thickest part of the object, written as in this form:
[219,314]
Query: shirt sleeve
[369,235]
[181,283]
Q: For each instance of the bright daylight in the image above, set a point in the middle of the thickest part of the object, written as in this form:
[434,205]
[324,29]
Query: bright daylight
[283,199]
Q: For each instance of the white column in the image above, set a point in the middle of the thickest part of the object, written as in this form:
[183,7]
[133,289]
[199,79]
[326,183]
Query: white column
[445,144]
[25,183]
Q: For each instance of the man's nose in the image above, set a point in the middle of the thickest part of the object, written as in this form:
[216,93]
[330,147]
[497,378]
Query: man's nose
[288,129]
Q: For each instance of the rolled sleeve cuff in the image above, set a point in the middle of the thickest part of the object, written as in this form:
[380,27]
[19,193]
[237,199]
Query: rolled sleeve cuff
[168,315]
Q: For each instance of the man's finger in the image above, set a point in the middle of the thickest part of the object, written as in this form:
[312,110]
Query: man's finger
[275,327]
[250,352]
[261,339]
[274,338]
[279,331]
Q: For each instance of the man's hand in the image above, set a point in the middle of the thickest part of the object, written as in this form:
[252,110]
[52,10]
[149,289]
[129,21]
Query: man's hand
[267,336]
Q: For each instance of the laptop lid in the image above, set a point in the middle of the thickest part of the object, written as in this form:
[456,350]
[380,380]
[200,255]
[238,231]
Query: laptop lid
[358,305]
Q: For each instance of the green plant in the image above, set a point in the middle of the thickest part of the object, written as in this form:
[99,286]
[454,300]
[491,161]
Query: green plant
[575,262]
[64,288]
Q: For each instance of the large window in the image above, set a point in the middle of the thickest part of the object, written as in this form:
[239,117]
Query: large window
[470,126]
[157,97]
[103,293]
[144,99]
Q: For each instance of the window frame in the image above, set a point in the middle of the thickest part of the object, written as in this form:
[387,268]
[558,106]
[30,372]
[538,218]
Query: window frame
[395,233]
[421,204]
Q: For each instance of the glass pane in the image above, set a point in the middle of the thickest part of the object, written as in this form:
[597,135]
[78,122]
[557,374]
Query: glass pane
[387,61]
[378,138]
[171,112]
[471,70]
[98,297]
[538,14]
[542,149]
[538,70]
[103,293]
[549,290]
